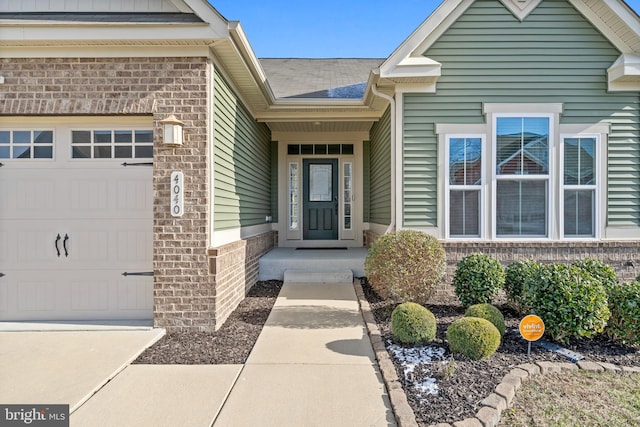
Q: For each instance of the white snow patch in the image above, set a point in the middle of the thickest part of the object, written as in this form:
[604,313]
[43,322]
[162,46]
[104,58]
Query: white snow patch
[423,359]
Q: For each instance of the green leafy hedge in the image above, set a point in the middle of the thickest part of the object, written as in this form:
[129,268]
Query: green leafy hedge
[488,312]
[478,279]
[624,304]
[405,266]
[412,323]
[474,337]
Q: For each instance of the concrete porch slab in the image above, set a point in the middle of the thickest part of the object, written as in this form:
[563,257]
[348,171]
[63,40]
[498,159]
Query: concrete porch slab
[160,395]
[307,395]
[273,265]
[65,367]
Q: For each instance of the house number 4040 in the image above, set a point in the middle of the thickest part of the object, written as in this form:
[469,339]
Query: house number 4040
[177,194]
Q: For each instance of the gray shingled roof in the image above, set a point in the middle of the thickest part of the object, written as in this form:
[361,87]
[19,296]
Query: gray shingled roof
[319,78]
[103,17]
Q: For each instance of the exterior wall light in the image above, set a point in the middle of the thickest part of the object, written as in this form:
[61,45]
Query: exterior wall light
[172,135]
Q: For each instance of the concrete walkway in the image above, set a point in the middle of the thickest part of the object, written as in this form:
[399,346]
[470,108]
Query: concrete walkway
[312,365]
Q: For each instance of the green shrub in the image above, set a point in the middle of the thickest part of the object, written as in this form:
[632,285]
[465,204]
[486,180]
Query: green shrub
[624,304]
[405,266]
[478,279]
[411,323]
[488,312]
[602,272]
[570,302]
[519,284]
[474,337]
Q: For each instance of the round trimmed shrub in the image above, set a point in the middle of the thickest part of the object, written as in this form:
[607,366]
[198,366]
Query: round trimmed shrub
[474,337]
[520,282]
[478,279]
[405,266]
[488,312]
[572,303]
[604,273]
[412,323]
[624,304]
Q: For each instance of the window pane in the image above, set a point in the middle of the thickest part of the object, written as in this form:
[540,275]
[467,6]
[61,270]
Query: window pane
[144,152]
[22,137]
[464,213]
[347,149]
[293,149]
[43,137]
[334,149]
[521,208]
[465,163]
[123,152]
[21,152]
[123,136]
[101,136]
[45,152]
[321,149]
[5,136]
[522,145]
[82,152]
[579,161]
[81,137]
[4,152]
[102,152]
[579,208]
[307,149]
[144,136]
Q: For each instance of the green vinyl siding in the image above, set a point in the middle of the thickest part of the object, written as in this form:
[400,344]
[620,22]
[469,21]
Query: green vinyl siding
[554,56]
[380,171]
[242,162]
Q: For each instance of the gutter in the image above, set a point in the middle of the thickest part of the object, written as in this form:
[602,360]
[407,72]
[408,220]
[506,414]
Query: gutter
[392,104]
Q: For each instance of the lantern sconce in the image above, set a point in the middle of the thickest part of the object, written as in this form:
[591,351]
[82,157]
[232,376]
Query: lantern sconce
[172,136]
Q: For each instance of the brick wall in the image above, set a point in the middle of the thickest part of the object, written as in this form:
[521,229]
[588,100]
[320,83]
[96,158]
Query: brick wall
[623,256]
[184,294]
[234,268]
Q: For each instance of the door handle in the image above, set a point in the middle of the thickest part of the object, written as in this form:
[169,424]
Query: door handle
[64,245]
[57,248]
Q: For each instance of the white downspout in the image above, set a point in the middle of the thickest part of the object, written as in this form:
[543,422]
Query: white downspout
[392,104]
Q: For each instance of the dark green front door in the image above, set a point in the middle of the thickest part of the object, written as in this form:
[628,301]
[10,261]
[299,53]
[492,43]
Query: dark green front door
[320,203]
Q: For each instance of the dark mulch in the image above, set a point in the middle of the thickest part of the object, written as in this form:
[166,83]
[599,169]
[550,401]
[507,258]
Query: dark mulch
[231,344]
[460,395]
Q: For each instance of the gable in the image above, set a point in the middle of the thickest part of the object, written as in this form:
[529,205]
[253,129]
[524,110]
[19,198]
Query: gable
[521,8]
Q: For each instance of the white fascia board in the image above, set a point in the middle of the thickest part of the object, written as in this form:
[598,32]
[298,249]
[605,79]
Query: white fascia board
[427,33]
[104,51]
[624,74]
[210,15]
[250,59]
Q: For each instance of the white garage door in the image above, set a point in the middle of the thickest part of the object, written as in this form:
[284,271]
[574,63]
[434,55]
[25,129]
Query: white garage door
[76,206]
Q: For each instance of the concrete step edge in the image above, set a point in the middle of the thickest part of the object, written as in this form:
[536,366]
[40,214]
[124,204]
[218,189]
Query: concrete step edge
[314,276]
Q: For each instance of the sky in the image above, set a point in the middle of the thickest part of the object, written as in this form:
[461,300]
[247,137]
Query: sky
[329,28]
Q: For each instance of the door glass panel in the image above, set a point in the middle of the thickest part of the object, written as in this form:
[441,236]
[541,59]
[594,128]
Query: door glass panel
[43,152]
[320,183]
[21,152]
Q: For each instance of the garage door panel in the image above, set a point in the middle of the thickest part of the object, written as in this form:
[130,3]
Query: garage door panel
[89,248]
[133,197]
[36,248]
[135,248]
[90,294]
[38,296]
[89,196]
[133,294]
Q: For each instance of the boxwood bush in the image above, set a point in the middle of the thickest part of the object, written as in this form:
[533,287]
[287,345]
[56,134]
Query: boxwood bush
[520,283]
[572,303]
[474,337]
[412,323]
[488,312]
[405,266]
[624,304]
[478,279]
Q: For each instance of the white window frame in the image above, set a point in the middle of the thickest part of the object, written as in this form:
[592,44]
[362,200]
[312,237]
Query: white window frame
[596,188]
[449,187]
[549,177]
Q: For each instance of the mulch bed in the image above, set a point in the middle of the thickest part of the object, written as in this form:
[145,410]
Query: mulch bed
[231,344]
[460,395]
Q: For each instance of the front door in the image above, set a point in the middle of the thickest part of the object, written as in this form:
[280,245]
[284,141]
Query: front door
[320,203]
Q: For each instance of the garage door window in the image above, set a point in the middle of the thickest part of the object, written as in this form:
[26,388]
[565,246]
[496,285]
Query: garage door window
[26,144]
[112,144]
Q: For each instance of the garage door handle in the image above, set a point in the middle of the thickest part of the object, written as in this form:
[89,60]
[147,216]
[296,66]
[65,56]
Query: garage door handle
[57,248]
[143,273]
[2,274]
[64,244]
